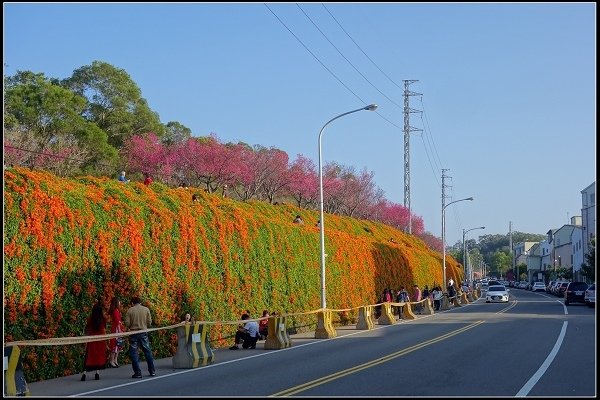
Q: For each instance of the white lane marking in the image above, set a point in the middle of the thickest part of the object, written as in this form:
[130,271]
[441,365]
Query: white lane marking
[540,372]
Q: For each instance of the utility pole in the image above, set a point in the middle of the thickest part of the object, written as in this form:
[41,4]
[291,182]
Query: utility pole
[407,130]
[444,176]
[512,256]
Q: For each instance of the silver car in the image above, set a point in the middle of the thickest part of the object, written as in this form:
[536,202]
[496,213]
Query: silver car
[497,294]
[538,286]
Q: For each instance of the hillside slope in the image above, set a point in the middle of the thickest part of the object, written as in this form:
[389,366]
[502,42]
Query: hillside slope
[68,242]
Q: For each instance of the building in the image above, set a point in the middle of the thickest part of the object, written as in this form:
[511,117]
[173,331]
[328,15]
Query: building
[588,215]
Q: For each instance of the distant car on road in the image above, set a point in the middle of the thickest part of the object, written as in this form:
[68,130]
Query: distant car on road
[538,286]
[497,293]
[590,295]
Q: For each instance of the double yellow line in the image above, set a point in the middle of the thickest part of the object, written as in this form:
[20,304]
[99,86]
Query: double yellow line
[340,374]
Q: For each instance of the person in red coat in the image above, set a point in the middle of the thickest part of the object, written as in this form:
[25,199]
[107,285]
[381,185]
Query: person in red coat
[95,352]
[116,325]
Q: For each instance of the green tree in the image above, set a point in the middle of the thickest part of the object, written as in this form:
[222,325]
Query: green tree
[588,268]
[175,132]
[501,262]
[114,102]
[43,127]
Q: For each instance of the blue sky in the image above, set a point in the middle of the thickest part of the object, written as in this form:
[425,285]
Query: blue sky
[508,90]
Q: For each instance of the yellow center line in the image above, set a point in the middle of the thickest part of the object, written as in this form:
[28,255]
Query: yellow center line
[381,360]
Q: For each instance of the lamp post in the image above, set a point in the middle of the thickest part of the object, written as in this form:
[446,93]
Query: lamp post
[444,232]
[465,250]
[371,107]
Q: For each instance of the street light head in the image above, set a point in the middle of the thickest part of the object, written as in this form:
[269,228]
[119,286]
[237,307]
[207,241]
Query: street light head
[470,198]
[371,107]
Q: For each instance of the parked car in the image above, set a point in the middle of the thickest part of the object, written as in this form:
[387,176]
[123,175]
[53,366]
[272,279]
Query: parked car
[590,295]
[549,286]
[523,285]
[575,292]
[554,287]
[484,286]
[538,286]
[497,293]
[560,289]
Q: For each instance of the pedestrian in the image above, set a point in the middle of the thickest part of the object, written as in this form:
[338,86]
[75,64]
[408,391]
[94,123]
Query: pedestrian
[122,177]
[95,352]
[187,318]
[437,298]
[248,333]
[147,180]
[138,318]
[417,298]
[402,297]
[263,325]
[116,326]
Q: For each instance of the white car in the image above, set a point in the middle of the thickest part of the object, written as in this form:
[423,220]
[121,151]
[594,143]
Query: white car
[538,286]
[484,287]
[590,295]
[496,293]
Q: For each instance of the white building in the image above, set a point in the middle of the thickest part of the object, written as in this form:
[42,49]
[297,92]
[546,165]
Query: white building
[577,254]
[588,215]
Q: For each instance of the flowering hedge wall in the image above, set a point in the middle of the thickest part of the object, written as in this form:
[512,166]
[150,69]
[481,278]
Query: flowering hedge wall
[68,242]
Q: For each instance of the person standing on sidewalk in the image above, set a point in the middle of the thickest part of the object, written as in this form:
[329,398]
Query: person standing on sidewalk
[138,318]
[95,352]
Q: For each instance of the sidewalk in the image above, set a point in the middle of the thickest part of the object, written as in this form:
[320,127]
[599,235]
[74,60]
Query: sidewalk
[72,384]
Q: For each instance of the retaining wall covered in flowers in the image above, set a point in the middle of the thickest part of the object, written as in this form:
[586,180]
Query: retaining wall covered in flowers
[69,242]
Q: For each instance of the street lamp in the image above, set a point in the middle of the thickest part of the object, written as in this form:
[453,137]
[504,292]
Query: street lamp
[465,249]
[371,107]
[444,232]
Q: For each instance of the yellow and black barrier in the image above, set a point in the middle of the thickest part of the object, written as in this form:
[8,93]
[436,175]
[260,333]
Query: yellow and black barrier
[470,297]
[444,303]
[365,318]
[455,301]
[386,317]
[407,311]
[277,336]
[193,349]
[14,379]
[325,329]
[463,298]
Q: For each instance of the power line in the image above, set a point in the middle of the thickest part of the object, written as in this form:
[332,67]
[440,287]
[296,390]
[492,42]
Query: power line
[312,54]
[324,66]
[345,58]
[373,62]
[429,129]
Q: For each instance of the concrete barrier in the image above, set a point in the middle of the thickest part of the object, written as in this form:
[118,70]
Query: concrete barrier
[14,379]
[386,318]
[427,308]
[193,349]
[365,318]
[325,329]
[277,336]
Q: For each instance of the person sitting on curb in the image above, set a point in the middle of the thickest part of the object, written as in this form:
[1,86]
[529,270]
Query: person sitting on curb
[263,326]
[248,333]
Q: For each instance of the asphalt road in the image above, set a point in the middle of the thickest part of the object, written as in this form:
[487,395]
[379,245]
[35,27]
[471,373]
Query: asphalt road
[532,346]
